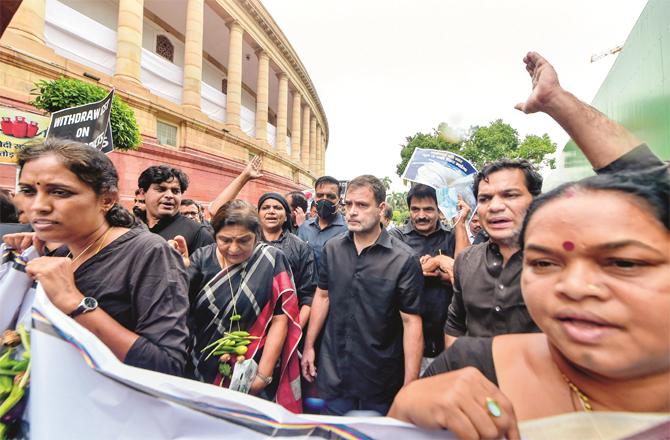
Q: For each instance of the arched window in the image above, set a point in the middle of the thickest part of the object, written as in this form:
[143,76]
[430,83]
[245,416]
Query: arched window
[165,48]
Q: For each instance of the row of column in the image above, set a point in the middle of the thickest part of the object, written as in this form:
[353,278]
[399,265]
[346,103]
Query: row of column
[307,137]
[128,65]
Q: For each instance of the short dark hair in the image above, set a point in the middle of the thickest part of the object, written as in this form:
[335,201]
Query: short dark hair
[388,212]
[138,191]
[370,181]
[189,202]
[326,180]
[160,174]
[237,213]
[533,177]
[8,212]
[647,188]
[421,191]
[297,200]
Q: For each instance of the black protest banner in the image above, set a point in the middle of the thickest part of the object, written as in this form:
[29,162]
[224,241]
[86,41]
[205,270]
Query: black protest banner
[88,123]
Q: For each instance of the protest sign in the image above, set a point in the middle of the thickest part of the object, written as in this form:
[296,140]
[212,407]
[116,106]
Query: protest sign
[450,174]
[19,127]
[88,123]
[79,389]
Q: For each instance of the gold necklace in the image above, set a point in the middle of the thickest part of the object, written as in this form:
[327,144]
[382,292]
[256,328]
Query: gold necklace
[583,398]
[103,236]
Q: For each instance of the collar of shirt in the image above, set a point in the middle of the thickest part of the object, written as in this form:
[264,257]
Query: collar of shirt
[384,240]
[409,229]
[494,259]
[164,223]
[281,238]
[337,221]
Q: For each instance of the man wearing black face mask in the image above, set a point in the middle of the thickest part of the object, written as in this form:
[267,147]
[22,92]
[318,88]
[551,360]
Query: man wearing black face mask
[329,222]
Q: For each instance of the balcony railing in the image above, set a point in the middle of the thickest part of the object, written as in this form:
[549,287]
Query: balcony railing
[77,37]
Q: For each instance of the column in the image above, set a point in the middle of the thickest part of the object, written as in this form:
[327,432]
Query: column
[28,21]
[234,93]
[262,96]
[319,140]
[323,154]
[312,145]
[304,145]
[282,114]
[193,54]
[129,40]
[295,127]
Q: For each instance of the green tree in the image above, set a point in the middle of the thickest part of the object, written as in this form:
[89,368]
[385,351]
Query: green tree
[495,141]
[398,202]
[64,93]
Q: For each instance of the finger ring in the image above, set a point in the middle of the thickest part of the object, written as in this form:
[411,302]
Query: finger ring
[492,407]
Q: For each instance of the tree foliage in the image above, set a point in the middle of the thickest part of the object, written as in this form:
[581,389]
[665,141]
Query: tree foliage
[481,145]
[398,202]
[66,92]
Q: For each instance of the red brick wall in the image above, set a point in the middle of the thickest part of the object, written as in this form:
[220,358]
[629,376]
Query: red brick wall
[208,174]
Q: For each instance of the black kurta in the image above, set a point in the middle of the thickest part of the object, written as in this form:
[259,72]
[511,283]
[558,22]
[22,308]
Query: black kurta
[142,284]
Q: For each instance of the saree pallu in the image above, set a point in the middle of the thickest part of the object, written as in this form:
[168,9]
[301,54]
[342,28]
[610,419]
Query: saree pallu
[262,287]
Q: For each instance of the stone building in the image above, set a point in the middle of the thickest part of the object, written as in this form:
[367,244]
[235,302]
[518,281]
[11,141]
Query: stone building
[211,82]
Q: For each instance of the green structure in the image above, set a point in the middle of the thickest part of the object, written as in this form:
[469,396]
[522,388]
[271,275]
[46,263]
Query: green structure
[636,92]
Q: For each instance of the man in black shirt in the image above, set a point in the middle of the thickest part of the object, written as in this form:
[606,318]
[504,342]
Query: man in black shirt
[163,188]
[487,297]
[368,303]
[428,238]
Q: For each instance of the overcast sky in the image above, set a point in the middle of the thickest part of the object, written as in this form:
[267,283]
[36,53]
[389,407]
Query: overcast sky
[387,69]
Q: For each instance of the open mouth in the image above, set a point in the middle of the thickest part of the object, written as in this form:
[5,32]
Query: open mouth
[500,223]
[585,329]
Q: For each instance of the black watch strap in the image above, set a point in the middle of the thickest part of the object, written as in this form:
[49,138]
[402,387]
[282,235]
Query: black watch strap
[86,305]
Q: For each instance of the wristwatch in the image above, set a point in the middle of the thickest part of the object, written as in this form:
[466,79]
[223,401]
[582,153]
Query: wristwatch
[86,305]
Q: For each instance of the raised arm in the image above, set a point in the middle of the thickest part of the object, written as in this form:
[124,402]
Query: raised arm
[251,171]
[601,140]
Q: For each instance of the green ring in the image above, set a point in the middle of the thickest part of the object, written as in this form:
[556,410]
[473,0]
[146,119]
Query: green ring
[493,407]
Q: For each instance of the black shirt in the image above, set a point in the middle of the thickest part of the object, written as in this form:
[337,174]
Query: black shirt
[361,354]
[487,297]
[142,284]
[196,235]
[466,352]
[301,260]
[436,295]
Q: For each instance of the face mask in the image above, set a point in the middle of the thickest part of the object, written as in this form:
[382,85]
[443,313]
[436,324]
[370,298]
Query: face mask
[325,208]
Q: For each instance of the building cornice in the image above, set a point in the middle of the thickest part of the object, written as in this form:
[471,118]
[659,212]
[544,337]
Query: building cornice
[267,24]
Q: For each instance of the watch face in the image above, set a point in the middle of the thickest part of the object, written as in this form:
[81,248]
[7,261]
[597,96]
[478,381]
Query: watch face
[90,303]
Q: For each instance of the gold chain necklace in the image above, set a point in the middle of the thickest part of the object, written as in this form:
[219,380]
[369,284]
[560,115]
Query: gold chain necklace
[100,238]
[583,398]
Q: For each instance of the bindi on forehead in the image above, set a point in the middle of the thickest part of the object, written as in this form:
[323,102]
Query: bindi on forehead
[568,246]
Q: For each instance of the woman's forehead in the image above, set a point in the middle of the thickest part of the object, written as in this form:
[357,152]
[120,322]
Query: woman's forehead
[595,217]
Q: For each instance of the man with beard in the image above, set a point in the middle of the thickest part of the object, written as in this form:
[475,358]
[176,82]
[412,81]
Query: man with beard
[436,247]
[328,222]
[273,211]
[139,206]
[487,297]
[163,188]
[371,282]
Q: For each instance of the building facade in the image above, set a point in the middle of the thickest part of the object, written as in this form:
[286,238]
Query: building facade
[212,84]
